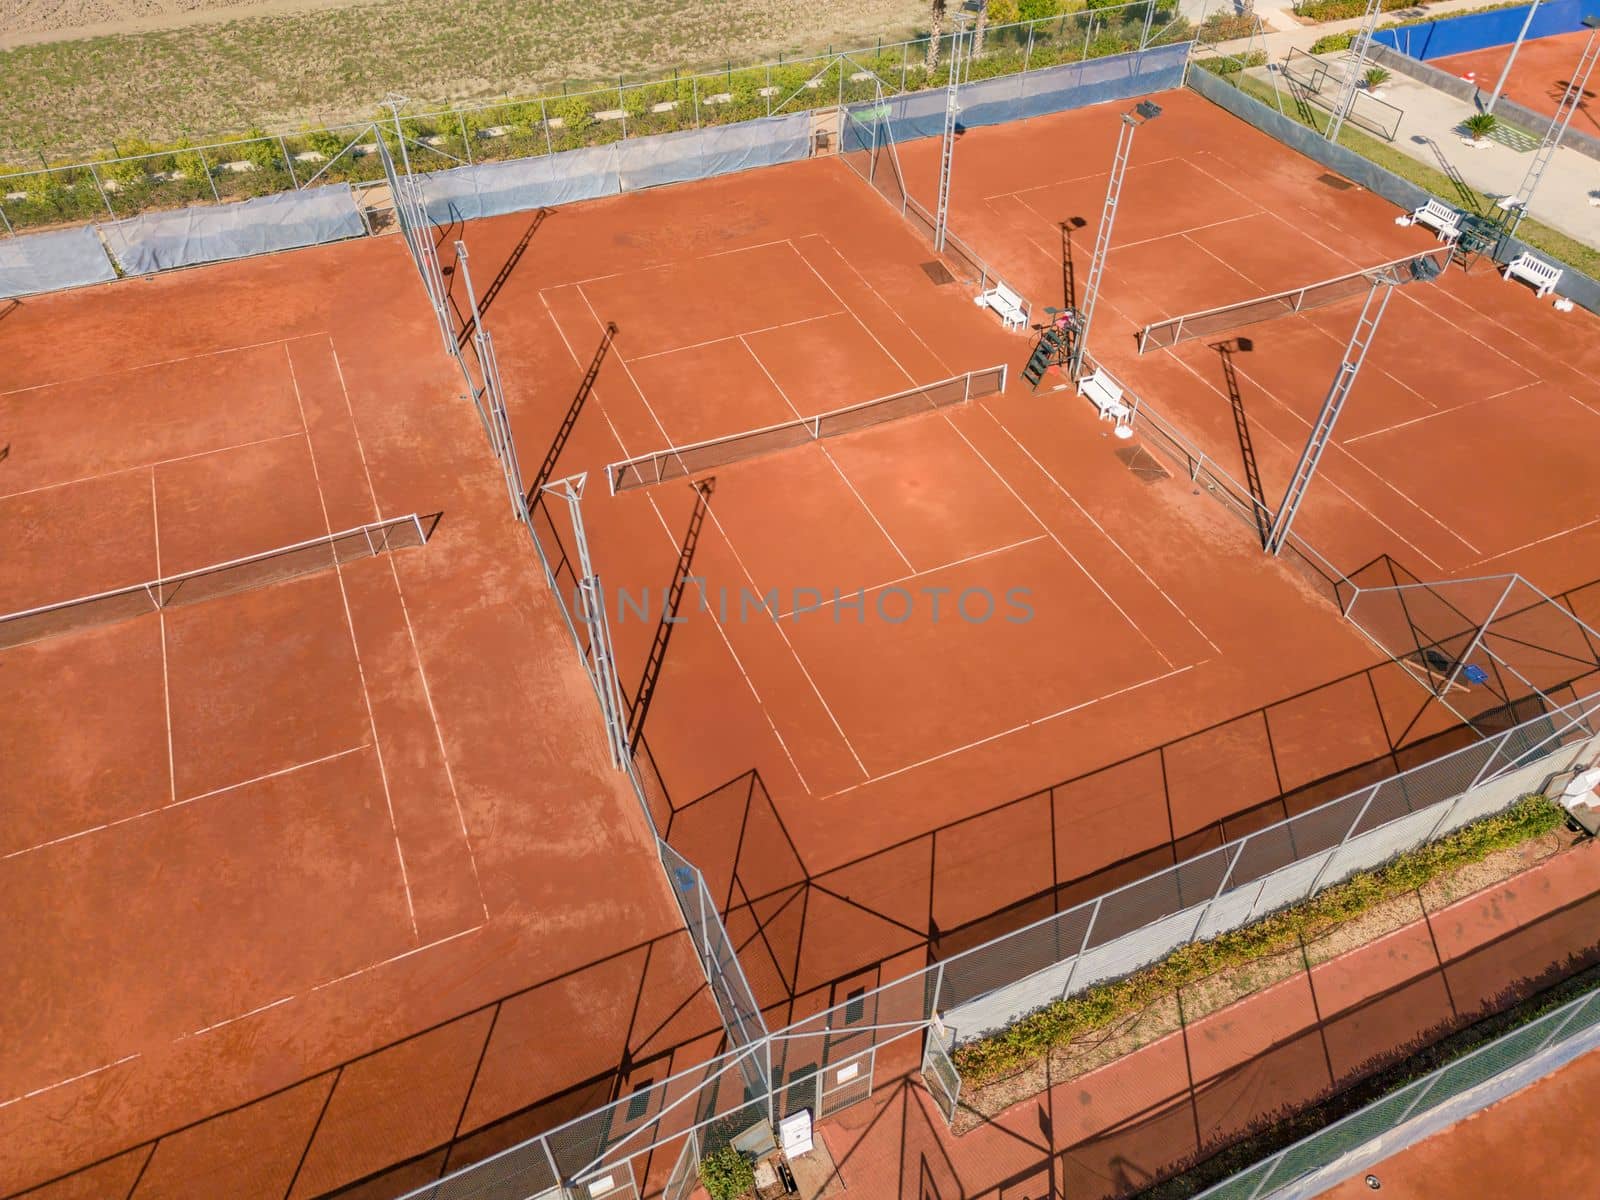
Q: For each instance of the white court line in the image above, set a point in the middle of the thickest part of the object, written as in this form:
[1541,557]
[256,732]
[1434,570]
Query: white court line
[50,1087]
[664,266]
[231,1020]
[1071,708]
[161,808]
[1111,541]
[411,633]
[166,678]
[861,500]
[944,367]
[816,691]
[865,327]
[878,587]
[622,446]
[1549,537]
[1039,187]
[150,466]
[1440,412]
[730,337]
[1087,574]
[165,362]
[350,624]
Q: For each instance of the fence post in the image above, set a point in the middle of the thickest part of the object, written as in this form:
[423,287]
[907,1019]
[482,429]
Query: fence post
[1577,1007]
[1348,834]
[466,142]
[5,220]
[205,169]
[694,84]
[767,91]
[1083,948]
[1221,887]
[1027,54]
[938,987]
[544,119]
[288,162]
[905,54]
[95,175]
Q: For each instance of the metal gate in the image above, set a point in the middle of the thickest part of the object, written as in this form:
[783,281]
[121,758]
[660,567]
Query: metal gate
[939,1074]
[842,1084]
[612,1183]
[685,1175]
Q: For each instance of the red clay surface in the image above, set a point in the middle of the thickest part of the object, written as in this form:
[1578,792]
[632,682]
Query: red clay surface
[253,841]
[1117,1129]
[1520,1145]
[1539,78]
[1437,461]
[856,786]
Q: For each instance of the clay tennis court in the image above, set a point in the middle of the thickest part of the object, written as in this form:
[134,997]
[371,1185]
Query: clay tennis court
[268,851]
[1539,78]
[1441,414]
[857,787]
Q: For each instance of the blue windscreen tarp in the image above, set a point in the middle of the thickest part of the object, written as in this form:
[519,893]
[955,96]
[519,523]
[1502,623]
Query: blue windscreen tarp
[43,262]
[1477,31]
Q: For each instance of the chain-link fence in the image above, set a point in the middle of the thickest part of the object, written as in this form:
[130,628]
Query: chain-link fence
[1454,1091]
[207,583]
[679,461]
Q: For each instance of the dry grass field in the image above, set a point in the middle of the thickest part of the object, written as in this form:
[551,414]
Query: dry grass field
[161,69]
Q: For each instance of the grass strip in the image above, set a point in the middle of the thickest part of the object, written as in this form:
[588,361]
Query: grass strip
[1540,236]
[1003,1053]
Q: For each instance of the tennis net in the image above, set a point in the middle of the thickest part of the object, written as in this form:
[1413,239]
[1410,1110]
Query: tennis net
[206,583]
[677,462]
[1162,334]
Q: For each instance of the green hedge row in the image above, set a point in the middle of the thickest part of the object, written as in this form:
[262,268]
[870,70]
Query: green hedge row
[1031,1037]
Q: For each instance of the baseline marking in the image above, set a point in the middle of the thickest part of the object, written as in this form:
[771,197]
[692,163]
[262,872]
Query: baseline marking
[164,362]
[741,336]
[50,1087]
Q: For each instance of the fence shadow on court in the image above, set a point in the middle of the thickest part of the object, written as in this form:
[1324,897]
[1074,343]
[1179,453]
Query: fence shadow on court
[1241,425]
[682,577]
[447,267]
[547,468]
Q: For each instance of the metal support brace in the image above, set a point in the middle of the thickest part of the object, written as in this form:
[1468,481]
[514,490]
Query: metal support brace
[602,664]
[1354,71]
[947,147]
[1517,206]
[1338,392]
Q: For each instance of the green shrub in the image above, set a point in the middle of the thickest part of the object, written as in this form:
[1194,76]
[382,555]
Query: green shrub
[324,141]
[1331,43]
[1227,26]
[1002,1053]
[574,113]
[1227,64]
[263,154]
[1037,10]
[1003,12]
[726,1174]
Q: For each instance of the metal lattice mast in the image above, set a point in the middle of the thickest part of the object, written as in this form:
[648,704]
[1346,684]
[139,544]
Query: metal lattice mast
[947,147]
[394,102]
[1353,73]
[1344,380]
[1517,206]
[1505,72]
[491,398]
[1142,112]
[602,659]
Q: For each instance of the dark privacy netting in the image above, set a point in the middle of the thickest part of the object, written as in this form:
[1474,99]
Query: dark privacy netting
[44,262]
[1031,94]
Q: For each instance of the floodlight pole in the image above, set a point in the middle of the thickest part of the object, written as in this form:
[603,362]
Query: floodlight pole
[1144,111]
[1344,379]
[490,400]
[1352,78]
[952,109]
[592,612]
[1505,72]
[394,102]
[1516,207]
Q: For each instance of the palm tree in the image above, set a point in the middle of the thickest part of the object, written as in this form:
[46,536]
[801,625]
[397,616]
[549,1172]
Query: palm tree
[935,32]
[981,28]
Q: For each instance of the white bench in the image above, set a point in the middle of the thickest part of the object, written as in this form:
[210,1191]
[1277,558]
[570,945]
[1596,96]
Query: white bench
[1439,217]
[1536,271]
[1005,302]
[1107,397]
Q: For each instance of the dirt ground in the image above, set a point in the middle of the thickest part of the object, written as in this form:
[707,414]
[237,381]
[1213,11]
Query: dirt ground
[82,73]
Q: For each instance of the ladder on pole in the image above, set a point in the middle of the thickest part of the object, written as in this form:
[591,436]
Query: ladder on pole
[947,147]
[1517,206]
[1354,71]
[1102,238]
[1344,379]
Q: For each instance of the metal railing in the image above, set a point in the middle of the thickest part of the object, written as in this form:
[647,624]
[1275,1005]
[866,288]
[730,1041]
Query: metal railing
[207,583]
